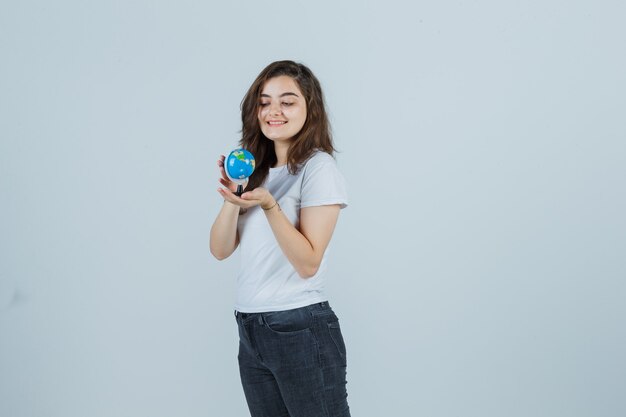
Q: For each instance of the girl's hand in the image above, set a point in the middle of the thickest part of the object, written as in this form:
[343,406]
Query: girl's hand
[257,197]
[224,180]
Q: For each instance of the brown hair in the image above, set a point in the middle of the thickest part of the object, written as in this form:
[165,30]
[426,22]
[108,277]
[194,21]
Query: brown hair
[315,133]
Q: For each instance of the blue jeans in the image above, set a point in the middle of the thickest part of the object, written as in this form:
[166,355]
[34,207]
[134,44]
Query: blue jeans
[293,363]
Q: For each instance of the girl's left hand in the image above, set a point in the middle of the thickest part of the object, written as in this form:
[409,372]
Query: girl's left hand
[258,196]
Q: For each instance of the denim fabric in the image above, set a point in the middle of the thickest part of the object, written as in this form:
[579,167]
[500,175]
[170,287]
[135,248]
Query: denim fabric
[293,363]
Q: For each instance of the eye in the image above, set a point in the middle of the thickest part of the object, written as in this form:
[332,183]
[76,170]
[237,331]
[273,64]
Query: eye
[264,104]
[287,104]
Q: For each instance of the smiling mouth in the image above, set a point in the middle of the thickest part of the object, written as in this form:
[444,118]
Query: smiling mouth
[276,123]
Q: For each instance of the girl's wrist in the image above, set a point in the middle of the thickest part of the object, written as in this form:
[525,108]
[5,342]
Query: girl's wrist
[268,207]
[268,203]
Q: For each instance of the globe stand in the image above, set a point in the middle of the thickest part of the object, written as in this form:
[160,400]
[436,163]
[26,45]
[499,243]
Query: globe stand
[239,190]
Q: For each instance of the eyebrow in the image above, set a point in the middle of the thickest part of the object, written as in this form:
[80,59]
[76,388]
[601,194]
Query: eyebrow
[282,95]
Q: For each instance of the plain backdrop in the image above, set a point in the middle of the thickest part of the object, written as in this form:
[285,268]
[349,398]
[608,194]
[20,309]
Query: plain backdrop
[480,269]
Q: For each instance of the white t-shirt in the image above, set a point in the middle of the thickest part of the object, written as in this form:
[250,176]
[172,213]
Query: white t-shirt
[267,281]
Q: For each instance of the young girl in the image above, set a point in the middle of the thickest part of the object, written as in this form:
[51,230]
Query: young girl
[292,357]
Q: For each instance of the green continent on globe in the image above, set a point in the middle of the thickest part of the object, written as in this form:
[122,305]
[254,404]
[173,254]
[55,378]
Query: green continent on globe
[239,155]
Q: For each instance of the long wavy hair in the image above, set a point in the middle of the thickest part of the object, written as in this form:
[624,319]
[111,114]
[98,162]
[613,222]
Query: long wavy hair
[315,134]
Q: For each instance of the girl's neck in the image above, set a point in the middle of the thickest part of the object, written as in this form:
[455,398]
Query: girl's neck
[281,153]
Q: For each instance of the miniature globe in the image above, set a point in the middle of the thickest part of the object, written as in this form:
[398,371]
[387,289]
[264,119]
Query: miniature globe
[239,165]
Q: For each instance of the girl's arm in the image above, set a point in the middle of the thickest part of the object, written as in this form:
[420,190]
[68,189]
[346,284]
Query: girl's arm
[304,248]
[224,237]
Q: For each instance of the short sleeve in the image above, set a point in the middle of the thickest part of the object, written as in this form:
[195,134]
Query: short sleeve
[322,183]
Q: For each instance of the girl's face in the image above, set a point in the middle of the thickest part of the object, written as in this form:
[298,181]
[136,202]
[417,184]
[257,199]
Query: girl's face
[282,109]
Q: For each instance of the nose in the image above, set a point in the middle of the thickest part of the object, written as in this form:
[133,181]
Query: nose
[275,109]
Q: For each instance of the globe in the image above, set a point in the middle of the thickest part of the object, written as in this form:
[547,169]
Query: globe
[239,165]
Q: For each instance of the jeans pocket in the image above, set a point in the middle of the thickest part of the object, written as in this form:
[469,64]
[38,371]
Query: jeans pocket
[289,321]
[335,334]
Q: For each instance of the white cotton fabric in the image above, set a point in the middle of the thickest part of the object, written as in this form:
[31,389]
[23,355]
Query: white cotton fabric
[266,280]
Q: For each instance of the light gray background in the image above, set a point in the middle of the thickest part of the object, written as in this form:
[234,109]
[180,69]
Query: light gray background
[479,271]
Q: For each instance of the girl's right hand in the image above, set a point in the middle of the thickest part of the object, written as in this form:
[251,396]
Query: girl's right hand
[224,180]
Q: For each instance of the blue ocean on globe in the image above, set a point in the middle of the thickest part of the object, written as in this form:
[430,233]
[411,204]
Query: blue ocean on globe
[239,164]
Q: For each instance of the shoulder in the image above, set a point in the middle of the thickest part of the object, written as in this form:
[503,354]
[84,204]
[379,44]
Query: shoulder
[322,182]
[319,159]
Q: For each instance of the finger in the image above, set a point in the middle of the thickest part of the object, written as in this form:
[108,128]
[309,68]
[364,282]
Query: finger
[229,196]
[223,172]
[255,194]
[248,194]
[229,185]
[232,198]
[255,199]
[248,201]
[228,192]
